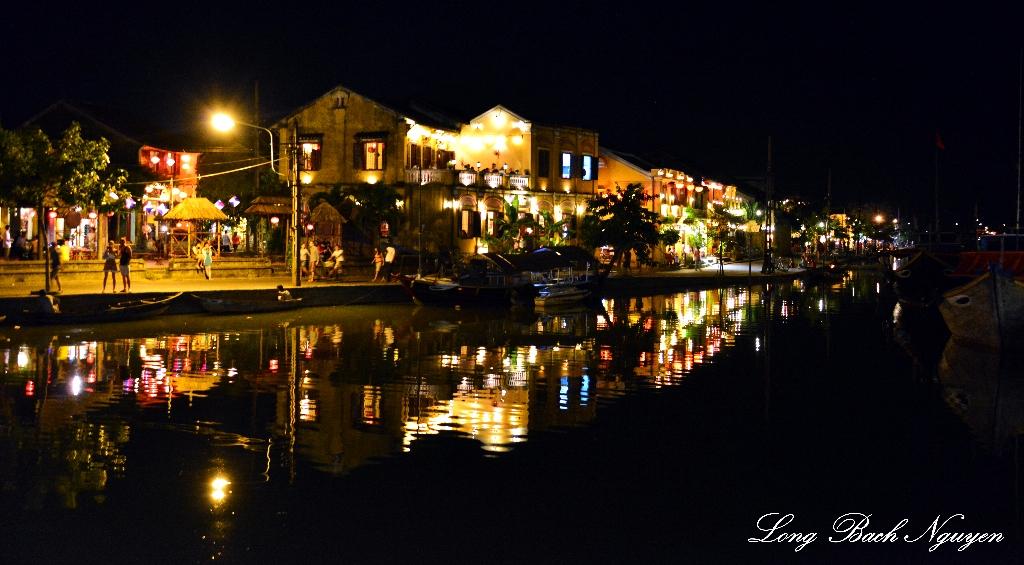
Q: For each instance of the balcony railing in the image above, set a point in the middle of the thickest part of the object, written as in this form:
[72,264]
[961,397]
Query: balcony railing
[473,178]
[429,176]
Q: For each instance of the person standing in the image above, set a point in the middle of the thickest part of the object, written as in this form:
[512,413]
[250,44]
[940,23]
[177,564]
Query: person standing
[389,260]
[110,266]
[8,242]
[208,260]
[235,240]
[314,259]
[378,262]
[225,242]
[125,263]
[55,264]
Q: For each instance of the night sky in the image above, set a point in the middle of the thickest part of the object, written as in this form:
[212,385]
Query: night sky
[861,90]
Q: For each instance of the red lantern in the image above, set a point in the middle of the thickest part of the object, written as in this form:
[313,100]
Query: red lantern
[385,230]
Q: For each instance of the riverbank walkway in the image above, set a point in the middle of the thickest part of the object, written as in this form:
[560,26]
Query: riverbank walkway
[732,273]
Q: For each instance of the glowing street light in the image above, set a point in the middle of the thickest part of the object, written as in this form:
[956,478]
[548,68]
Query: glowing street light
[223,122]
[879,218]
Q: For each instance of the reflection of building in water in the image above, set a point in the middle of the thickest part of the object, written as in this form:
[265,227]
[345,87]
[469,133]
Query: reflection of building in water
[688,329]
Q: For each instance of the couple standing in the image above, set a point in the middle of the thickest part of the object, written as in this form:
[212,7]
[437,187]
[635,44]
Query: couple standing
[118,258]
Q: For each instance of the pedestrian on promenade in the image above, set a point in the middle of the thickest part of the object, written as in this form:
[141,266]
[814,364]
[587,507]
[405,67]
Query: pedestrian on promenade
[389,261]
[314,259]
[627,262]
[303,261]
[378,262]
[125,264]
[197,252]
[235,240]
[65,251]
[207,257]
[55,264]
[336,260]
[110,266]
[8,242]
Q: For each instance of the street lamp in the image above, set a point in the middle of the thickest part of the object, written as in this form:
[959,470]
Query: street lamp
[224,122]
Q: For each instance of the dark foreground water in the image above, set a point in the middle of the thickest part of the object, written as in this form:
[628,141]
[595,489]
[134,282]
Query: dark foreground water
[652,430]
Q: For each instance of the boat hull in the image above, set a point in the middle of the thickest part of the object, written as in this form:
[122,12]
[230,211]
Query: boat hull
[228,306]
[126,311]
[449,294]
[987,311]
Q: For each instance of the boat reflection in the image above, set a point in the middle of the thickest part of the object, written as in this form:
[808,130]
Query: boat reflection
[334,388]
[985,389]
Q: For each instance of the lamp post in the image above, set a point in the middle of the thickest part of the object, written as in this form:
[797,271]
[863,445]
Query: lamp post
[223,122]
[296,271]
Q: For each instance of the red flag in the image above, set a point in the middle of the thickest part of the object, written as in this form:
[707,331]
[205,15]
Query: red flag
[938,141]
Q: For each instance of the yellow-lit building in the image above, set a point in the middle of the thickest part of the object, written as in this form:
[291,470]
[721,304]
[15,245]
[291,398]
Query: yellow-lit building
[686,201]
[452,175]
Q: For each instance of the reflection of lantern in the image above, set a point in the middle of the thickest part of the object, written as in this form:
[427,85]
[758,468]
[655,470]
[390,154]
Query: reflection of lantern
[274,220]
[384,229]
[52,214]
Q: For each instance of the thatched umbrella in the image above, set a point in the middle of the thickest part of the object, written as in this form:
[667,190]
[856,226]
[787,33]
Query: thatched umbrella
[196,208]
[280,206]
[328,221]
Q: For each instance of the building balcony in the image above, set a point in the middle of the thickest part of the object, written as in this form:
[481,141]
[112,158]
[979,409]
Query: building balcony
[429,176]
[494,180]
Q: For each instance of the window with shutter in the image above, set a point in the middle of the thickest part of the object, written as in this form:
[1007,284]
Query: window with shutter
[566,165]
[309,152]
[543,163]
[414,156]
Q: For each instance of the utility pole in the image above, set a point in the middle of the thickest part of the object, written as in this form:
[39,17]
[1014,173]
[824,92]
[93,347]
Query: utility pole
[1020,66]
[296,269]
[256,171]
[768,267]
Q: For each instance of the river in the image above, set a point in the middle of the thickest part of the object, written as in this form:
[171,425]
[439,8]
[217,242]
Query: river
[644,429]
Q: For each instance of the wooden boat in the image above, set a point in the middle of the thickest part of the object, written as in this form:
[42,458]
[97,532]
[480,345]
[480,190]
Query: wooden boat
[124,311]
[560,295]
[988,310]
[246,306]
[507,279]
[496,292]
[923,279]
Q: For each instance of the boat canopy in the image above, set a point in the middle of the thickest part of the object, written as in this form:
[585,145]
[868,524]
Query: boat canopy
[543,260]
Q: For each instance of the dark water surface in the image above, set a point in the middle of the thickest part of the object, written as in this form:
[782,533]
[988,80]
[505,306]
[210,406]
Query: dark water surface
[650,430]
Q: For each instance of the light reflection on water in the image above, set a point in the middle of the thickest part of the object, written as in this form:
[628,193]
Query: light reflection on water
[337,387]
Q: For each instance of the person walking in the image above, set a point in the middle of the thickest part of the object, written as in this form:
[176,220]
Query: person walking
[235,240]
[125,263]
[8,242]
[303,261]
[314,259]
[378,262]
[389,261]
[55,264]
[110,267]
[208,260]
[336,261]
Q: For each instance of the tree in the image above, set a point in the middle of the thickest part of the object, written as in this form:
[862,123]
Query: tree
[366,206]
[621,221]
[36,172]
[509,228]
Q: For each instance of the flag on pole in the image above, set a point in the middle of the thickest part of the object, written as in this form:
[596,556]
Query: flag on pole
[938,141]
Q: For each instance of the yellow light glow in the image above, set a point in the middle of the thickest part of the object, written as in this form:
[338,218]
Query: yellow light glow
[306,177]
[221,121]
[371,179]
[879,219]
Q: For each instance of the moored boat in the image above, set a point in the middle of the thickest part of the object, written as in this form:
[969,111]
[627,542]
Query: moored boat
[560,295]
[988,310]
[124,311]
[923,279]
[246,306]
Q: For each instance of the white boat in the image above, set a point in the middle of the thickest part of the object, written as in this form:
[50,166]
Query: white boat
[988,310]
[552,295]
